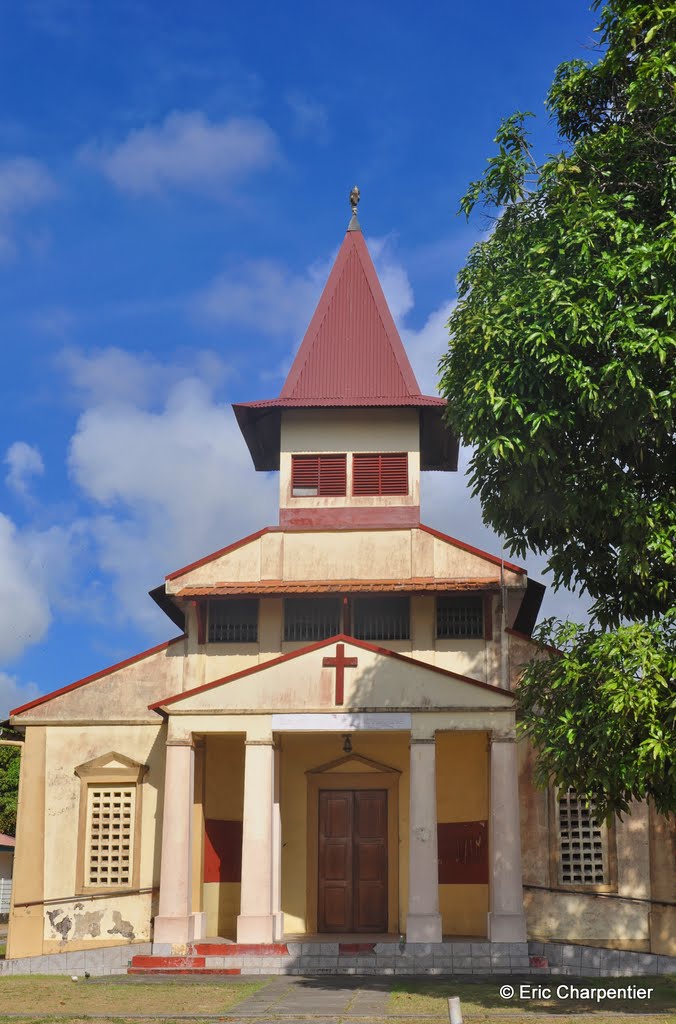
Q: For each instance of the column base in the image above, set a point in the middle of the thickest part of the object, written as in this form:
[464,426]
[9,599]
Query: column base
[506,927]
[190,928]
[278,929]
[423,928]
[253,929]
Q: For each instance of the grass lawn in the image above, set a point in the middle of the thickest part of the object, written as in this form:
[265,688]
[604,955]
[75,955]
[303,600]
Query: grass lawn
[61,996]
[482,1001]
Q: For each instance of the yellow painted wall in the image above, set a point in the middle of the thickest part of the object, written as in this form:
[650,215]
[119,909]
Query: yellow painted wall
[462,795]
[223,800]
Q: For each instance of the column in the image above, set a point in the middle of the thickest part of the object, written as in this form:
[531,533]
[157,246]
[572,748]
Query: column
[277,847]
[256,919]
[423,923]
[175,922]
[506,920]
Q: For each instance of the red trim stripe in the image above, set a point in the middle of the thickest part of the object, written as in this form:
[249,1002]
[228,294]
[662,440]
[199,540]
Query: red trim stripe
[96,675]
[362,644]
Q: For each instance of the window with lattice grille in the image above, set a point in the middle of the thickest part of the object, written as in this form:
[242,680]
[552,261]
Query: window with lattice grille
[583,847]
[233,620]
[381,618]
[311,618]
[381,474]
[109,854]
[460,617]
[318,475]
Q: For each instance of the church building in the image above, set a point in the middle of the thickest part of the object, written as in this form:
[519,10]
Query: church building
[328,748]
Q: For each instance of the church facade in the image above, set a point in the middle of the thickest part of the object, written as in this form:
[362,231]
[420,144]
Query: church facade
[329,746]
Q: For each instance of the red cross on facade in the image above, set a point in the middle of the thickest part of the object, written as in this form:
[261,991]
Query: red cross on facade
[340,663]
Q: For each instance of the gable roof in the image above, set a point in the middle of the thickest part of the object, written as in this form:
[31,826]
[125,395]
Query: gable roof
[351,355]
[97,675]
[364,645]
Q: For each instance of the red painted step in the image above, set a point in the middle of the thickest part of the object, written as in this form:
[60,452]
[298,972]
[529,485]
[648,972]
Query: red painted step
[240,949]
[157,962]
[183,970]
[356,948]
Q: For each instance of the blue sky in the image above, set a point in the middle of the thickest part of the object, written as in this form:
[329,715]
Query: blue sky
[173,188]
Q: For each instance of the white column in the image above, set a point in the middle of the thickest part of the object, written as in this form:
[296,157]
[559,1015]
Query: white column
[423,923]
[256,921]
[277,848]
[506,920]
[175,922]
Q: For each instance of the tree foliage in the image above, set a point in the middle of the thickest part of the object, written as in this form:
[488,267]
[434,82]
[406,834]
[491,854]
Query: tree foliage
[606,710]
[560,368]
[10,762]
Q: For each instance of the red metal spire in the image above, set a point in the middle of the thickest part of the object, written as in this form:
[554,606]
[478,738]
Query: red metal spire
[352,353]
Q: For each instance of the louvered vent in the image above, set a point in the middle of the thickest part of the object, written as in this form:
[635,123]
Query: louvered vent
[380,474]
[318,475]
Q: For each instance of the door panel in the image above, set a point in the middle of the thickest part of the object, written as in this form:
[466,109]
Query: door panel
[336,895]
[352,861]
[370,857]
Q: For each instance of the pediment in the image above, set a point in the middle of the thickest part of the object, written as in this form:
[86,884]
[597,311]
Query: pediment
[353,763]
[111,764]
[306,681]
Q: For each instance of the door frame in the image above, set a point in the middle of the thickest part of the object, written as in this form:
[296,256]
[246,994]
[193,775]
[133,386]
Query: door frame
[382,778]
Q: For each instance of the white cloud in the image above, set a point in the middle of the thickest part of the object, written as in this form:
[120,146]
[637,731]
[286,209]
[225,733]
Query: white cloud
[23,593]
[24,184]
[188,151]
[263,295]
[171,486]
[111,375]
[310,117]
[426,347]
[14,694]
[393,277]
[24,462]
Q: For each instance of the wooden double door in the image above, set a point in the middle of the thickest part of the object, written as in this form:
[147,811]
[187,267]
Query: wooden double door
[353,888]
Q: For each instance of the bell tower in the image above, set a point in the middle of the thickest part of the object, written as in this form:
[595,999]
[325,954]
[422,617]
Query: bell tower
[350,431]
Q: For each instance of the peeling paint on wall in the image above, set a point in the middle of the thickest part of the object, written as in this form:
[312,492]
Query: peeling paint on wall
[88,925]
[121,927]
[62,925]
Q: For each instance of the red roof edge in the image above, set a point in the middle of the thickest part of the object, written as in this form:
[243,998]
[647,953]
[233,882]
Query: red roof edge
[472,550]
[96,675]
[340,637]
[222,551]
[7,840]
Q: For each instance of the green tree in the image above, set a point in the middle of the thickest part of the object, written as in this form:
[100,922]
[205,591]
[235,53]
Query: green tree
[10,762]
[560,371]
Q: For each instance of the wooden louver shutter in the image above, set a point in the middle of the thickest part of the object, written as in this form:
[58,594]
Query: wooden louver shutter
[380,474]
[323,474]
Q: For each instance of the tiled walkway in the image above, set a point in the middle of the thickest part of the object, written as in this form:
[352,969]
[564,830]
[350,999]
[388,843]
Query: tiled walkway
[333,999]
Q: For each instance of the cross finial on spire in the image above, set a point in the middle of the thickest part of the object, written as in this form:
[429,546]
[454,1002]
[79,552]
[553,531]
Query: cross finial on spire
[354,200]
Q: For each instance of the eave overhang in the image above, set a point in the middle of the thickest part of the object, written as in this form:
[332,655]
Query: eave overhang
[261,425]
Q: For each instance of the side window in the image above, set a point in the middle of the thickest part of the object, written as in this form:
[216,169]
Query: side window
[582,842]
[311,618]
[318,475]
[460,617]
[380,474]
[109,840]
[233,620]
[381,618]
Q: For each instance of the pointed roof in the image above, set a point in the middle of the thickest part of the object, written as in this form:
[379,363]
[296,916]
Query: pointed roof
[351,355]
[352,351]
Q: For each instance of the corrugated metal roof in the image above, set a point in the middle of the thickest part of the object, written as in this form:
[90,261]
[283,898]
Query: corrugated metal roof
[414,401]
[273,588]
[351,354]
